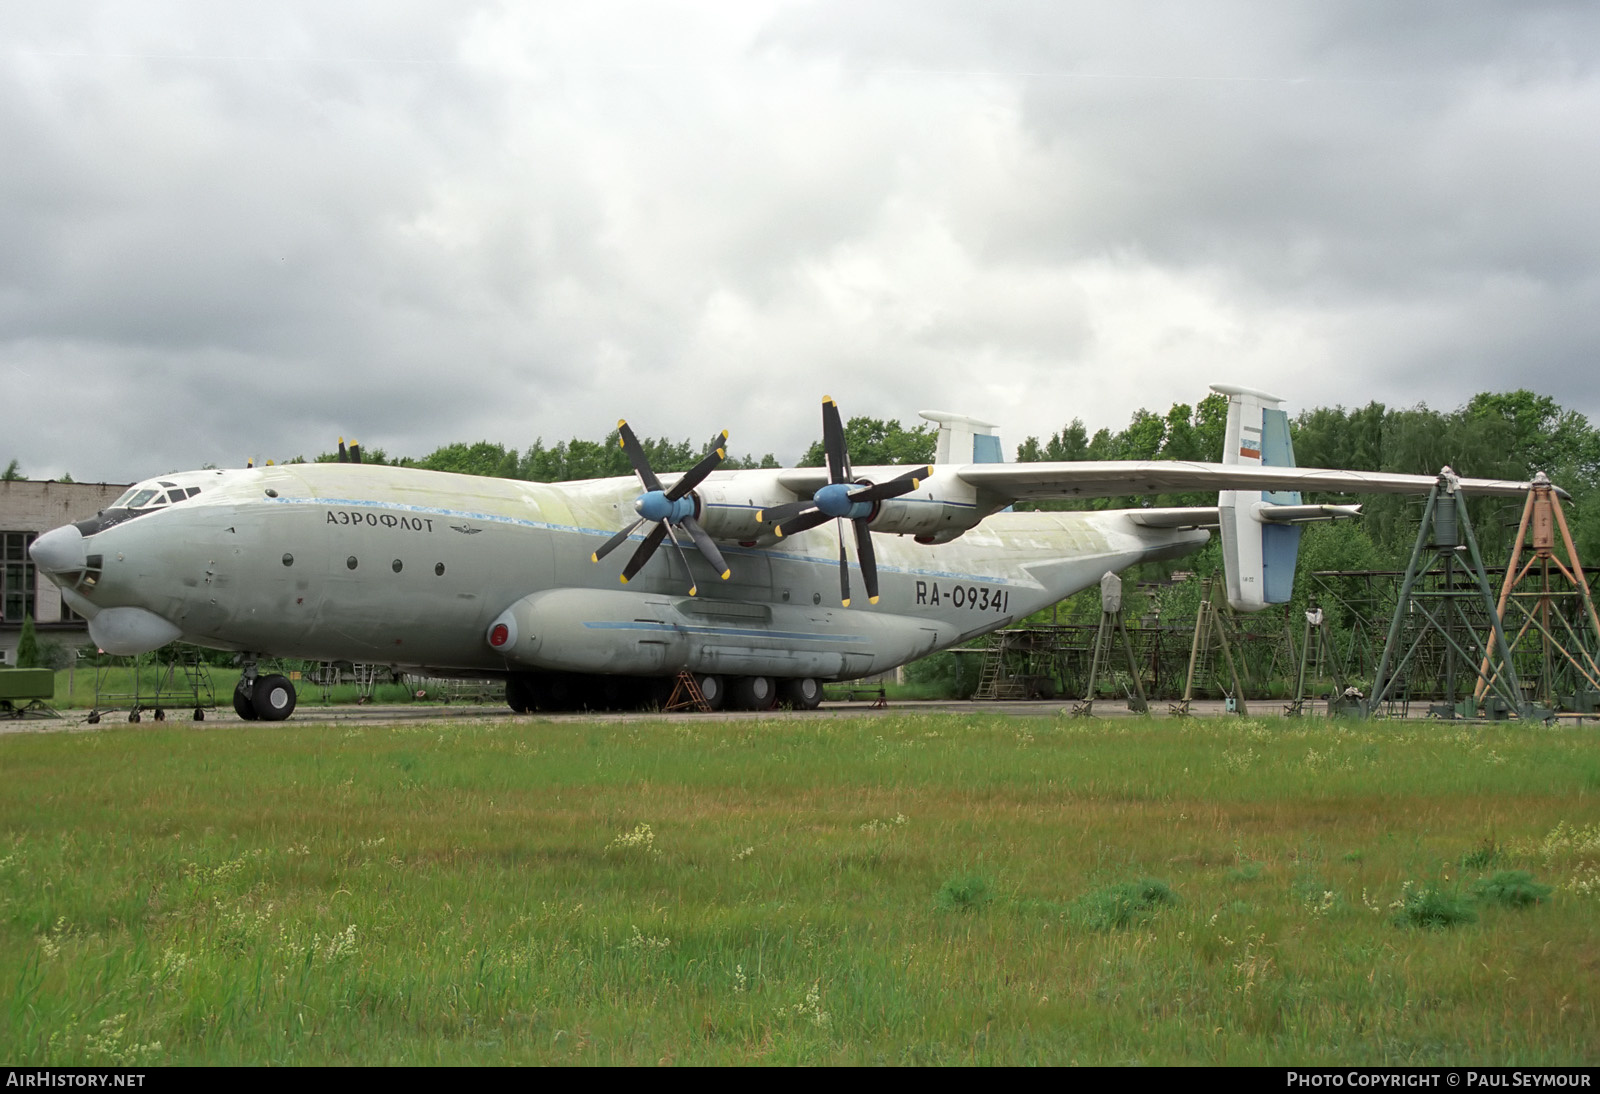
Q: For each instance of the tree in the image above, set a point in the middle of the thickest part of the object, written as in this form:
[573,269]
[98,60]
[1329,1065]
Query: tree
[872,442]
[12,473]
[27,646]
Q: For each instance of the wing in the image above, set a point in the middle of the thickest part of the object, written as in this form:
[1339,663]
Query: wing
[1111,478]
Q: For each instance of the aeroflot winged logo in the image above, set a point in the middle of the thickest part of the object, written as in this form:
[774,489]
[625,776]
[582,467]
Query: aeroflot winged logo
[465,530]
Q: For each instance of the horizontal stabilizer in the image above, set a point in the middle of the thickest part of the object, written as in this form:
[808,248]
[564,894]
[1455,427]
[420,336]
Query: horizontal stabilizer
[1209,517]
[1306,514]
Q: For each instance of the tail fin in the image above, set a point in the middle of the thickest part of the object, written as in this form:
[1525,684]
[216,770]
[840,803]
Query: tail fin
[1258,555]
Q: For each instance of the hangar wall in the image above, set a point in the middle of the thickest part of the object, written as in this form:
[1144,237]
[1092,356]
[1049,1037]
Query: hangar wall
[28,508]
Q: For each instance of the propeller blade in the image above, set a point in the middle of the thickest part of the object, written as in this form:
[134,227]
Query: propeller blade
[833,441]
[707,548]
[868,558]
[780,513]
[355,451]
[646,549]
[893,488]
[641,464]
[699,471]
[796,525]
[844,572]
[681,556]
[344,455]
[615,541]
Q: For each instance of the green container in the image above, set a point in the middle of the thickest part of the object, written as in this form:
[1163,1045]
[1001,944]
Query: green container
[25,685]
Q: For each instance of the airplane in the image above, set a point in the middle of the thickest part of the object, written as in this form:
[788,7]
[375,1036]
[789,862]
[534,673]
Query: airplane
[463,575]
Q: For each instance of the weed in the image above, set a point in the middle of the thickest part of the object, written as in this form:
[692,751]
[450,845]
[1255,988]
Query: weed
[1431,907]
[964,893]
[1485,854]
[1124,904]
[1511,888]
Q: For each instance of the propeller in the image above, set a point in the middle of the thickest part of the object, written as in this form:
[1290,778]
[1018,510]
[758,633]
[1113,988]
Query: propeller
[350,455]
[843,499]
[668,509]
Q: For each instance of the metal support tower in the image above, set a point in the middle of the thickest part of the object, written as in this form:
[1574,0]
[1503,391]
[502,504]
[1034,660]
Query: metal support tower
[1438,597]
[1552,600]
[1208,627]
[1318,637]
[1111,622]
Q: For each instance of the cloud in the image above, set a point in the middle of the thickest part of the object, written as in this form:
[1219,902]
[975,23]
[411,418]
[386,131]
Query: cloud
[234,233]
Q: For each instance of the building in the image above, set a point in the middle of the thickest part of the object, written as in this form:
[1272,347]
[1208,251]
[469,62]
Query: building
[27,509]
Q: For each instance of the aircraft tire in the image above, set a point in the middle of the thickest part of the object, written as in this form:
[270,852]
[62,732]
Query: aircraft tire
[519,696]
[554,692]
[242,706]
[714,690]
[753,693]
[804,693]
[274,698]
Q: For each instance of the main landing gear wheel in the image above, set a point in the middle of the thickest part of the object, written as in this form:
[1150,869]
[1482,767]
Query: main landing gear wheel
[519,694]
[242,706]
[274,698]
[713,691]
[802,694]
[752,693]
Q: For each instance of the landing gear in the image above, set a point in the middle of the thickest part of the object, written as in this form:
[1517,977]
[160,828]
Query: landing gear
[752,693]
[263,698]
[714,691]
[802,694]
[519,693]
[274,698]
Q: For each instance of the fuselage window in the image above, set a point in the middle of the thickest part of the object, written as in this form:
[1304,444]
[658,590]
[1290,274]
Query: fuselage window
[397,565]
[438,569]
[350,563]
[288,559]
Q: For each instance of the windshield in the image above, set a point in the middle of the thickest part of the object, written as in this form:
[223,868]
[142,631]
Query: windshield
[148,496]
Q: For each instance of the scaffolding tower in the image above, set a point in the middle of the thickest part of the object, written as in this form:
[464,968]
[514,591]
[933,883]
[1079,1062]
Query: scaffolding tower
[1445,620]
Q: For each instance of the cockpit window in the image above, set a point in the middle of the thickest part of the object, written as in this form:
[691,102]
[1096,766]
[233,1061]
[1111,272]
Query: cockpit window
[144,497]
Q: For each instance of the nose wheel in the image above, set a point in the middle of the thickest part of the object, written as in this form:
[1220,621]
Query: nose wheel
[263,698]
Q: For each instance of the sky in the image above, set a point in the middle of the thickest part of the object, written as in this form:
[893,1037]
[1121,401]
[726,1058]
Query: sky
[233,231]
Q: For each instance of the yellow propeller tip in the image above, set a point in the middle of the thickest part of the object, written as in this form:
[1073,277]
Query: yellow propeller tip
[777,531]
[726,574]
[692,590]
[872,600]
[623,577]
[595,557]
[827,398]
[846,603]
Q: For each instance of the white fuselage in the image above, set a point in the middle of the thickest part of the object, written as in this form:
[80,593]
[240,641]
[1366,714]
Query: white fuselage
[343,562]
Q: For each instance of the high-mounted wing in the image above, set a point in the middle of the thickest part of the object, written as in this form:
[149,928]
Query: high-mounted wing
[1007,482]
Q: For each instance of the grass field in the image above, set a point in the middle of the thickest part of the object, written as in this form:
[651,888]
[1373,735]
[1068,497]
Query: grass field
[907,889]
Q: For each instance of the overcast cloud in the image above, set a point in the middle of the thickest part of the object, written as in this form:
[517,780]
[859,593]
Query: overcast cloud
[231,230]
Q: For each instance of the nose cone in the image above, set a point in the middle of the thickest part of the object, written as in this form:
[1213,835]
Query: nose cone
[59,552]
